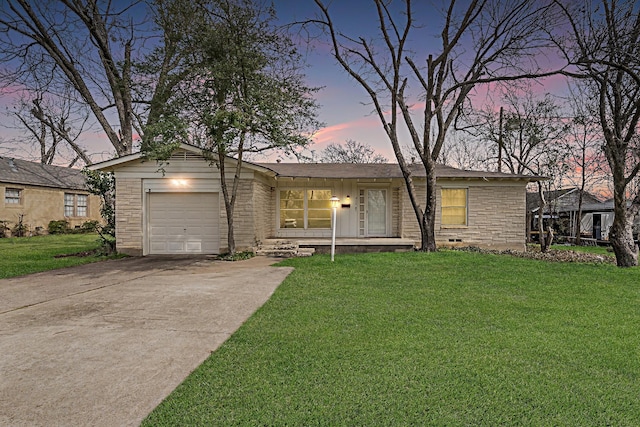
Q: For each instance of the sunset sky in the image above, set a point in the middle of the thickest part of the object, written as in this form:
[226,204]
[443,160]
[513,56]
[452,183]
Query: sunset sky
[342,100]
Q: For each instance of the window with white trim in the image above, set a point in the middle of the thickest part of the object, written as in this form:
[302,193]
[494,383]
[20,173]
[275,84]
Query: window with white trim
[454,206]
[12,196]
[305,209]
[75,204]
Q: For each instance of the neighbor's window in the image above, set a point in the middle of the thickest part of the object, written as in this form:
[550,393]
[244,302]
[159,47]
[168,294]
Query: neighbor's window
[12,196]
[305,208]
[75,204]
[454,206]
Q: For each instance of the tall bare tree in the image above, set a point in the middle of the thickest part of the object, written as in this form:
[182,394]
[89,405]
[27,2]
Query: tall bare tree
[604,45]
[123,60]
[351,152]
[533,137]
[54,125]
[584,145]
[86,44]
[480,41]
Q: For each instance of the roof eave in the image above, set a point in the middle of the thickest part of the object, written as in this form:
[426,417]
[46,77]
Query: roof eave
[113,164]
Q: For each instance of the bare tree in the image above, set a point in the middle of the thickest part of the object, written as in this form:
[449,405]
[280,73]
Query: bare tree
[54,125]
[85,44]
[532,135]
[467,151]
[123,61]
[603,43]
[584,145]
[351,152]
[482,41]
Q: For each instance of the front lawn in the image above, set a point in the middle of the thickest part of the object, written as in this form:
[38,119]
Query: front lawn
[25,255]
[451,338]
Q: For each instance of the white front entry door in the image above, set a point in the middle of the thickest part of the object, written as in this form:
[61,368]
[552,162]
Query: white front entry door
[182,223]
[373,212]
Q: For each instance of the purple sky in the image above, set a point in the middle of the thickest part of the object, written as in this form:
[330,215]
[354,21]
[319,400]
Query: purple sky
[341,99]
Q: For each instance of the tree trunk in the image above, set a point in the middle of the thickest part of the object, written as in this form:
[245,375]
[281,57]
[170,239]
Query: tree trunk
[429,216]
[231,240]
[545,239]
[578,220]
[621,234]
[228,201]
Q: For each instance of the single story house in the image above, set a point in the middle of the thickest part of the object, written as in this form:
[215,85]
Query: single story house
[562,209]
[36,194]
[179,208]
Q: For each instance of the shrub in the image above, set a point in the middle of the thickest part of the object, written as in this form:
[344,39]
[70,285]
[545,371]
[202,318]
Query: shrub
[58,227]
[20,229]
[4,228]
[89,226]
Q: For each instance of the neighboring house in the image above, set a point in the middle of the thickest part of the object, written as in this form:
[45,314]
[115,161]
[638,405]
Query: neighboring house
[36,194]
[180,209]
[562,208]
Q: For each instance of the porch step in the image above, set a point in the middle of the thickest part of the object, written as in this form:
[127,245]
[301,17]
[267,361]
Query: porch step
[283,249]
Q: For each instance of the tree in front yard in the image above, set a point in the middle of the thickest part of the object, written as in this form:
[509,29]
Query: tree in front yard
[351,152]
[244,93]
[421,84]
[603,43]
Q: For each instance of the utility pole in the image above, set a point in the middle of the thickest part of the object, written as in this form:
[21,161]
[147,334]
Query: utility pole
[500,143]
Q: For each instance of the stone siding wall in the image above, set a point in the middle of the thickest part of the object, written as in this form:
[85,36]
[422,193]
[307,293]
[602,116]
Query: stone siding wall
[264,210]
[496,218]
[242,218]
[129,234]
[40,205]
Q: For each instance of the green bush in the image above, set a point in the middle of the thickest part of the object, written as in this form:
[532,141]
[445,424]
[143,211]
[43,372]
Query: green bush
[58,227]
[20,229]
[89,226]
[4,228]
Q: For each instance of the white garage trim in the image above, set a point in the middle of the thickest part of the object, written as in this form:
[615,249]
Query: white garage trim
[181,184]
[183,223]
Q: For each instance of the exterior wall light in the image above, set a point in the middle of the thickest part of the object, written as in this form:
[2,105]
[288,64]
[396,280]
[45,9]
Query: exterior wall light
[179,182]
[347,202]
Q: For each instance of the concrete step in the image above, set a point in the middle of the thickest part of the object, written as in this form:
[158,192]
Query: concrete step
[283,248]
[285,253]
[278,247]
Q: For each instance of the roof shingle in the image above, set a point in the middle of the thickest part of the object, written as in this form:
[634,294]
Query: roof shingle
[22,172]
[375,171]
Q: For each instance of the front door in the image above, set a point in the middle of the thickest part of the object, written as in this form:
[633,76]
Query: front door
[373,212]
[597,226]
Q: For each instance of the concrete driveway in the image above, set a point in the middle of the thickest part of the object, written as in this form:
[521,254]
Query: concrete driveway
[103,344]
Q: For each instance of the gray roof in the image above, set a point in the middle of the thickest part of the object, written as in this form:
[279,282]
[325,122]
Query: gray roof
[377,171]
[564,200]
[22,172]
[338,170]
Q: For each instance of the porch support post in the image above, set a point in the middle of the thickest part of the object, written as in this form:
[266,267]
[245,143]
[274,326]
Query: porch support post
[334,207]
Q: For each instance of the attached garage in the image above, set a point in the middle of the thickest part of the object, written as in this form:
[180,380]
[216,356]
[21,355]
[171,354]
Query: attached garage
[183,223]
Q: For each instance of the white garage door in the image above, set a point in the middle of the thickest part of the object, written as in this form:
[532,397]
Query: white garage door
[181,223]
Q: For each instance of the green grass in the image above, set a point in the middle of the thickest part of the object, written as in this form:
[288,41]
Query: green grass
[25,255]
[446,339]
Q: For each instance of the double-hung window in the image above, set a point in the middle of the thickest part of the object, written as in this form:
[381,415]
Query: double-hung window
[305,208]
[454,207]
[12,196]
[75,204]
